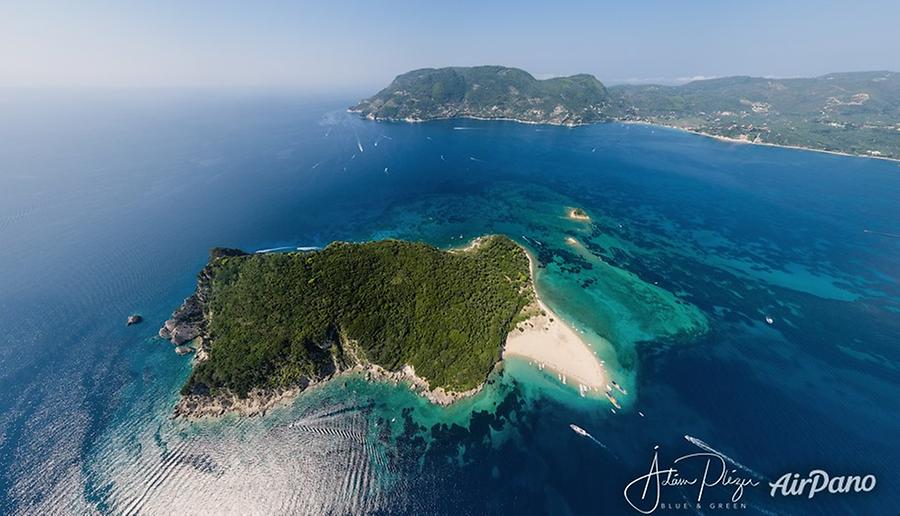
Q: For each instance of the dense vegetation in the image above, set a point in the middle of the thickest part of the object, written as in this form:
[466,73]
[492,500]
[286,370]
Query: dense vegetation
[280,319]
[857,113]
[489,92]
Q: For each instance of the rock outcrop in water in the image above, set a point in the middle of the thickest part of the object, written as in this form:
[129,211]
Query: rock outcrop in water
[134,319]
[186,323]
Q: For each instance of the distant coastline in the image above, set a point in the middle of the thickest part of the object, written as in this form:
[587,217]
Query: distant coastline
[618,121]
[847,114]
[729,139]
[412,120]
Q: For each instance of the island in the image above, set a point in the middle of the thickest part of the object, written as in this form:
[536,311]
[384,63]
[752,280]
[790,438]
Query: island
[266,326]
[854,113]
[579,214]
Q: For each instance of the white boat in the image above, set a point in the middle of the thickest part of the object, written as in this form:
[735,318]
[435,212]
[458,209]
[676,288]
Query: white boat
[578,430]
[612,399]
[769,319]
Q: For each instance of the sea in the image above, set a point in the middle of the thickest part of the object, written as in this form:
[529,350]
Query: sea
[747,299]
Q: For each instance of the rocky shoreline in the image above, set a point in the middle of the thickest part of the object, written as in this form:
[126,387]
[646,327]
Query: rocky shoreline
[260,401]
[419,385]
[257,402]
[555,121]
[186,323]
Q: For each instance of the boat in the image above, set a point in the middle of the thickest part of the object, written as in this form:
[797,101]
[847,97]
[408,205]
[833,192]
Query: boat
[613,400]
[620,388]
[578,430]
[769,319]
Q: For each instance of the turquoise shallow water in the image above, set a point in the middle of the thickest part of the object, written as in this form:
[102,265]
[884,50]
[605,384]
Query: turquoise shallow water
[112,202]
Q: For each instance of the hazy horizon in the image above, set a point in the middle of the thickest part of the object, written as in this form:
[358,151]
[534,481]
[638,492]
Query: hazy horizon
[358,46]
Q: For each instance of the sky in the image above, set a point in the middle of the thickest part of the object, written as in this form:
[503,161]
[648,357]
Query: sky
[338,44]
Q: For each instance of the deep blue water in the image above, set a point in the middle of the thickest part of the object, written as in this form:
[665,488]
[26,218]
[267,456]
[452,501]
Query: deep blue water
[110,200]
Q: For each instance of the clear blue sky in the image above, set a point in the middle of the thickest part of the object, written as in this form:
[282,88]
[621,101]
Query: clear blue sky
[336,44]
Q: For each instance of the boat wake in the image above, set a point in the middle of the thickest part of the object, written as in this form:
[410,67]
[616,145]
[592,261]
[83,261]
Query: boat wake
[287,248]
[707,448]
[882,233]
[584,433]
[274,249]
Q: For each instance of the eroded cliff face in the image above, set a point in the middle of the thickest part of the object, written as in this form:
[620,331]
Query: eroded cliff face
[188,321]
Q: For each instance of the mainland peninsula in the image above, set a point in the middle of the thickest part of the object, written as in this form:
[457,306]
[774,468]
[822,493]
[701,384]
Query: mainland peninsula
[854,113]
[488,92]
[266,326]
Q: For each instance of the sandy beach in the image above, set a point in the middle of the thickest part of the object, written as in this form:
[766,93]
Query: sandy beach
[752,142]
[551,344]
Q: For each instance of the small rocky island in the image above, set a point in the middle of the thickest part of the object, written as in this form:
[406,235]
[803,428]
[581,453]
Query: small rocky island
[579,214]
[266,326]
